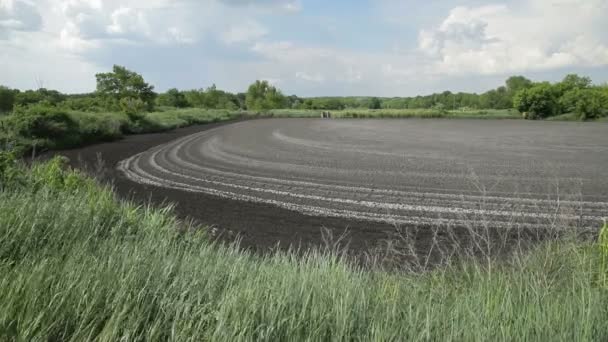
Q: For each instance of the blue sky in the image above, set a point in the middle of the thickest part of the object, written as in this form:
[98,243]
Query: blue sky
[309,48]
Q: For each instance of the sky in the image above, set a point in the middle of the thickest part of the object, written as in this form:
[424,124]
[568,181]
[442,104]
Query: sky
[304,47]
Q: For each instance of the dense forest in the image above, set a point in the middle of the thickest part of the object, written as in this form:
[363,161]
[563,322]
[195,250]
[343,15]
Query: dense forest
[127,91]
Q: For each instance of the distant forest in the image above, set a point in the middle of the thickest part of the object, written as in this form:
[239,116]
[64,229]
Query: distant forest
[125,90]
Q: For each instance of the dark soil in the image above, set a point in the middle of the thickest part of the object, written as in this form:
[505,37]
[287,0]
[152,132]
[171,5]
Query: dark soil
[265,228]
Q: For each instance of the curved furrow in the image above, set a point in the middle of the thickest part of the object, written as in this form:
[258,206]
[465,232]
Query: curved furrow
[307,167]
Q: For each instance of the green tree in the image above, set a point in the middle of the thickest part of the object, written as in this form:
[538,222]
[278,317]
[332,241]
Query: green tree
[7,99]
[574,81]
[42,95]
[570,89]
[375,103]
[122,83]
[517,83]
[173,98]
[262,96]
[195,97]
[537,102]
[591,103]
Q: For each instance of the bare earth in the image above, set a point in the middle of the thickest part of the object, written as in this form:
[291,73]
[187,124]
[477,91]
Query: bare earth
[278,181]
[403,172]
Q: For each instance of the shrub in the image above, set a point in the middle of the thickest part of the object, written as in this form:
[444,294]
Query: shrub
[538,102]
[591,104]
[100,126]
[172,98]
[133,107]
[261,96]
[56,175]
[89,103]
[7,99]
[40,122]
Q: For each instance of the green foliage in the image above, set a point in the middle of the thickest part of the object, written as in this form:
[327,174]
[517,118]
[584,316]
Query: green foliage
[7,99]
[517,83]
[572,82]
[176,118]
[42,123]
[88,103]
[134,108]
[375,103]
[42,127]
[538,102]
[55,175]
[10,173]
[122,83]
[41,96]
[213,98]
[262,96]
[603,246]
[591,103]
[172,98]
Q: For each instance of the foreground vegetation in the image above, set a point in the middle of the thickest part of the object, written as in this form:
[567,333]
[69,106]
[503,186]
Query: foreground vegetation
[78,264]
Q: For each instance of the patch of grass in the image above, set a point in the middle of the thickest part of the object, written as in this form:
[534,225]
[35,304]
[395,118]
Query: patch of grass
[175,118]
[77,264]
[400,113]
[486,114]
[36,129]
[564,117]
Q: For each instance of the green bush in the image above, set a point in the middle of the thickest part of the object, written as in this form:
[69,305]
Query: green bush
[87,103]
[101,126]
[591,104]
[537,102]
[42,123]
[172,98]
[133,107]
[7,99]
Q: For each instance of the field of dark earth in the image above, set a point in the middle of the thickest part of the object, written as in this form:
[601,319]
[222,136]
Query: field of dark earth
[280,183]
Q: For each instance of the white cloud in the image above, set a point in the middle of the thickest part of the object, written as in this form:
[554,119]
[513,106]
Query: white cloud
[128,21]
[89,24]
[70,38]
[536,35]
[175,34]
[286,5]
[76,7]
[17,15]
[27,61]
[245,32]
[311,62]
[315,77]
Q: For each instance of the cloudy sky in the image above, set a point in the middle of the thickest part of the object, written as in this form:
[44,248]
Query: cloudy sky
[316,47]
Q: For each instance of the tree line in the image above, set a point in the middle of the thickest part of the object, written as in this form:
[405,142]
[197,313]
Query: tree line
[127,91]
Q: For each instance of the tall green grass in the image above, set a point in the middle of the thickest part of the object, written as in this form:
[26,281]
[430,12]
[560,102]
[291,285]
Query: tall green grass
[76,264]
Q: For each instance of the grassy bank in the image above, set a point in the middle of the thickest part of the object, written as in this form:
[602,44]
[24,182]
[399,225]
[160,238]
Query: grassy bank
[43,128]
[77,264]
